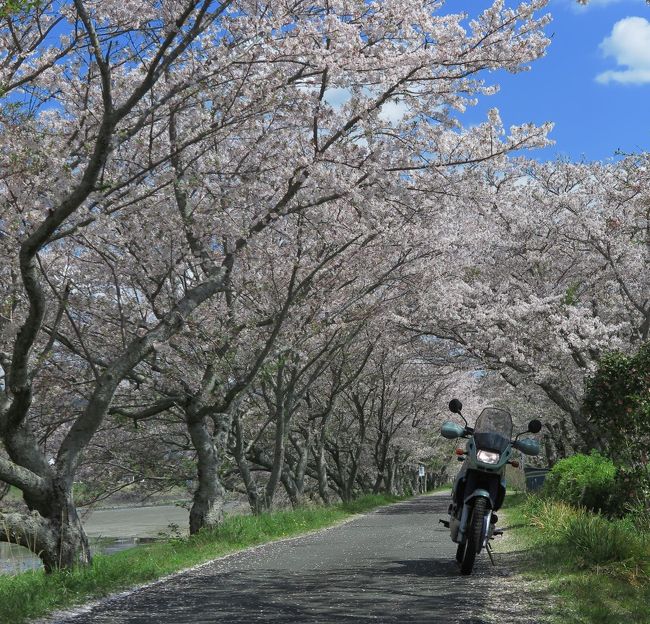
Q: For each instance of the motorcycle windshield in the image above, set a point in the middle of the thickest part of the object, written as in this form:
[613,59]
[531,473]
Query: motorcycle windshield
[493,430]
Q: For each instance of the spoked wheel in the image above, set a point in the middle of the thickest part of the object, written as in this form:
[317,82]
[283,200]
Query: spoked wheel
[473,541]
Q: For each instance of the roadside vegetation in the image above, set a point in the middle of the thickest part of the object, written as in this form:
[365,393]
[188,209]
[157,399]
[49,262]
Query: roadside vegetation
[32,594]
[598,567]
[589,527]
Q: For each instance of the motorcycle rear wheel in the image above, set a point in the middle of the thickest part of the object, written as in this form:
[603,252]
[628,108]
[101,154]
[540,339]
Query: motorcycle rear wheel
[473,540]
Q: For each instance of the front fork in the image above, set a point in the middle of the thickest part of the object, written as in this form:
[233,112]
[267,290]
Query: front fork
[458,526]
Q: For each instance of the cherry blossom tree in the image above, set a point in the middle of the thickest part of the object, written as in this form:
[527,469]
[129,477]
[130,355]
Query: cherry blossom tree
[552,274]
[64,127]
[145,146]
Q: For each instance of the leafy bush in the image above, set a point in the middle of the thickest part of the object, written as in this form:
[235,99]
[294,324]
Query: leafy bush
[585,480]
[617,402]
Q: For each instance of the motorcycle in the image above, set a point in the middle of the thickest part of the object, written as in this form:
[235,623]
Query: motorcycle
[480,487]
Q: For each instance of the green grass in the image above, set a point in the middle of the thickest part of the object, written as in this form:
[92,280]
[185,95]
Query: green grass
[32,594]
[598,568]
[439,488]
[14,494]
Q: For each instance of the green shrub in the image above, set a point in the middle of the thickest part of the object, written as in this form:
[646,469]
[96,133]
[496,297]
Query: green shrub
[617,403]
[585,480]
[599,541]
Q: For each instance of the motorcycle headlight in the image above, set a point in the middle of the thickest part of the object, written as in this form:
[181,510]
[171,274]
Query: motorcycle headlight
[488,457]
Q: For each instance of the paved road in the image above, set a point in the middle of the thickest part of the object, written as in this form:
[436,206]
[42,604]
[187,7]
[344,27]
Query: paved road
[393,565]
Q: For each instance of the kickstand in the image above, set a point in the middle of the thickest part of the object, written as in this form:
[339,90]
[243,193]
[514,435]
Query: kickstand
[488,547]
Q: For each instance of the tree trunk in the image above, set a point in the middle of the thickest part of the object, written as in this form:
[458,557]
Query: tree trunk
[278,458]
[390,480]
[208,502]
[301,467]
[322,469]
[252,493]
[52,531]
[291,489]
[69,543]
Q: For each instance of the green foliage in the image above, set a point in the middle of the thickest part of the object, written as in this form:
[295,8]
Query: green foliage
[584,480]
[32,594]
[587,539]
[571,295]
[617,401]
[580,539]
[12,7]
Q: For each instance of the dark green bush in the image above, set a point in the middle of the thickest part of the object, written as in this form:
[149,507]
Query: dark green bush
[585,480]
[617,404]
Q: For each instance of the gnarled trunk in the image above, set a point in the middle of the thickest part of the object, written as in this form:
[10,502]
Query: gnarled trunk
[254,499]
[52,531]
[208,501]
[390,479]
[301,468]
[291,489]
[278,458]
[67,546]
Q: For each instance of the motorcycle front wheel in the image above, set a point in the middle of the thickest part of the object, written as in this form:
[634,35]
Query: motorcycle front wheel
[473,540]
[460,551]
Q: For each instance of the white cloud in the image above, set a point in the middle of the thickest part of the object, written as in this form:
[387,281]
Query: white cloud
[629,44]
[393,111]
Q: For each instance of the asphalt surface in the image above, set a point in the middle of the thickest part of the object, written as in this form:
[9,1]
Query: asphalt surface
[395,564]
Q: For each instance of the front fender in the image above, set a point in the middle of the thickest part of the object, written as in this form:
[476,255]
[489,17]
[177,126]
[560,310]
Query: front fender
[479,492]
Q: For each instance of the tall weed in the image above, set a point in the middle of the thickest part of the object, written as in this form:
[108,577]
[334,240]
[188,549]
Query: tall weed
[589,540]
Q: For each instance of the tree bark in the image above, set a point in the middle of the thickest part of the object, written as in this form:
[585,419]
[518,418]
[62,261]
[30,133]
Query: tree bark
[52,531]
[322,467]
[252,493]
[208,501]
[290,488]
[281,422]
[301,466]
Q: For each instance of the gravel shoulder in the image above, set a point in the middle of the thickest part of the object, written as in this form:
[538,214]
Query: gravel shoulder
[395,564]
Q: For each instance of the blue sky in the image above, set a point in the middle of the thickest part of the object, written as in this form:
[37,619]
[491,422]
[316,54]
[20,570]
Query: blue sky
[594,82]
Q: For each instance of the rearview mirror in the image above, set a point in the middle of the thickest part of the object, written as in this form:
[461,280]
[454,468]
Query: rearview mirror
[527,446]
[534,426]
[455,406]
[451,430]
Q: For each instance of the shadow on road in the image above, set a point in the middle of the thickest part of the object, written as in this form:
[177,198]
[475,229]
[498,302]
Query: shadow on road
[398,592]
[361,585]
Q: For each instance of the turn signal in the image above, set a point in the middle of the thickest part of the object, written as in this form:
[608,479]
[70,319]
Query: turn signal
[460,452]
[514,463]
